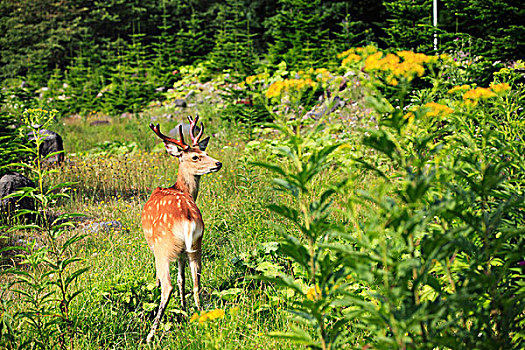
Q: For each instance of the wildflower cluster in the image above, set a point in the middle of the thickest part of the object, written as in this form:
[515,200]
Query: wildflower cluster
[471,97]
[302,81]
[355,55]
[459,88]
[437,109]
[402,65]
[288,85]
[207,316]
[313,293]
[258,78]
[38,116]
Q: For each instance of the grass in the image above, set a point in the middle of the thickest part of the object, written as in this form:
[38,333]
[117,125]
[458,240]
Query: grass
[114,188]
[117,306]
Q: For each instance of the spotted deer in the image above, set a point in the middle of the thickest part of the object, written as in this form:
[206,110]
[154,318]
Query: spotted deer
[171,220]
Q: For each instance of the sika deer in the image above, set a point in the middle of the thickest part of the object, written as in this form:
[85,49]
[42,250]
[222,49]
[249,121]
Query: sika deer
[171,221]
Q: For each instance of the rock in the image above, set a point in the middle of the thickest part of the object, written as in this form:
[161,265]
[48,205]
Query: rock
[106,226]
[174,133]
[336,103]
[99,122]
[52,143]
[189,94]
[179,102]
[10,183]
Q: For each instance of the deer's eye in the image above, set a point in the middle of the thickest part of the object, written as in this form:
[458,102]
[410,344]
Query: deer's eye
[195,158]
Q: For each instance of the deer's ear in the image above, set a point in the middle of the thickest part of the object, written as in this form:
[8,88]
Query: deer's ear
[204,143]
[172,149]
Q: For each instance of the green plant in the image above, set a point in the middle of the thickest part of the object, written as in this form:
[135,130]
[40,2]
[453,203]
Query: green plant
[44,282]
[437,264]
[309,214]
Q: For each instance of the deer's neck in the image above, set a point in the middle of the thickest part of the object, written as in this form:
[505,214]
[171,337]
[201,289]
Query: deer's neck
[188,183]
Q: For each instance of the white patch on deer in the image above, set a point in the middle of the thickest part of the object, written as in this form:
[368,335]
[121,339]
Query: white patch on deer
[189,230]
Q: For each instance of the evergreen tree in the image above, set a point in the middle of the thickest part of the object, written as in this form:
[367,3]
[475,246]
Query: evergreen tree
[35,36]
[298,33]
[493,29]
[234,45]
[410,25]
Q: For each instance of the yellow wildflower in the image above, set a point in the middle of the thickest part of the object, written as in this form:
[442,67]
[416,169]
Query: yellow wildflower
[409,116]
[478,93]
[346,53]
[497,88]
[312,293]
[250,79]
[391,80]
[275,89]
[437,109]
[352,58]
[459,88]
[195,317]
[367,50]
[207,316]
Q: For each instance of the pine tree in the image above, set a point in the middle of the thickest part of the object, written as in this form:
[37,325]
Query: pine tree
[234,45]
[410,25]
[298,33]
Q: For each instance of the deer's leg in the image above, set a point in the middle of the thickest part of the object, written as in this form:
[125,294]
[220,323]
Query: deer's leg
[195,266]
[163,275]
[181,279]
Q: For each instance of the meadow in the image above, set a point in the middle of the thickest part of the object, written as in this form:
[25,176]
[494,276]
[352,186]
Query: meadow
[395,220]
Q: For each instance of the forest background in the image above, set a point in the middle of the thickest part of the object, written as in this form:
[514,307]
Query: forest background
[118,55]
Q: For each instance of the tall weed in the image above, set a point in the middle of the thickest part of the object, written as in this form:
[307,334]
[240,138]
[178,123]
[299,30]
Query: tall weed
[439,263]
[36,301]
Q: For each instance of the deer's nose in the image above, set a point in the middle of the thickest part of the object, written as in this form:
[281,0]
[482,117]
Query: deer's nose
[219,165]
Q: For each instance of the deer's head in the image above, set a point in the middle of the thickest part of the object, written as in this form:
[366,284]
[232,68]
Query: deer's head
[192,157]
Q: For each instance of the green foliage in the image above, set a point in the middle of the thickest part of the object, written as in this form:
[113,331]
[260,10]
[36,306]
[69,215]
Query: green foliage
[9,138]
[297,33]
[438,263]
[44,282]
[490,29]
[234,49]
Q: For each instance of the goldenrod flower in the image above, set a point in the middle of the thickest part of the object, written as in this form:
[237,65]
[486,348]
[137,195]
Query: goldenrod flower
[478,93]
[458,88]
[497,88]
[194,317]
[275,89]
[352,58]
[207,316]
[372,61]
[437,109]
[311,293]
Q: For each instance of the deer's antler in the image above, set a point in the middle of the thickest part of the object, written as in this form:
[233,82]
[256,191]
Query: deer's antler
[193,125]
[180,143]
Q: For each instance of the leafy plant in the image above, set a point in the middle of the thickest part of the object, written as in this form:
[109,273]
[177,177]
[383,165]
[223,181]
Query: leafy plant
[436,265]
[44,283]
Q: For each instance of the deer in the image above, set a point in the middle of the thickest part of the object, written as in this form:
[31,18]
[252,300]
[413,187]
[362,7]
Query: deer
[172,222]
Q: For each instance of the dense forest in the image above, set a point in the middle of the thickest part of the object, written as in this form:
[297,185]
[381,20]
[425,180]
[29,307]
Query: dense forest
[113,46]
[360,173]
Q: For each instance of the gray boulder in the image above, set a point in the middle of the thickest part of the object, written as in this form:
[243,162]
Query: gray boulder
[10,183]
[52,143]
[179,102]
[174,133]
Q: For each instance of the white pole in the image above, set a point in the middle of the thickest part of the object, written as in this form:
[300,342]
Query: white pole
[435,17]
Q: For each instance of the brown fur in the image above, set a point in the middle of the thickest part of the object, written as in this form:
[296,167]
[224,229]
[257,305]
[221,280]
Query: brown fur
[173,225]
